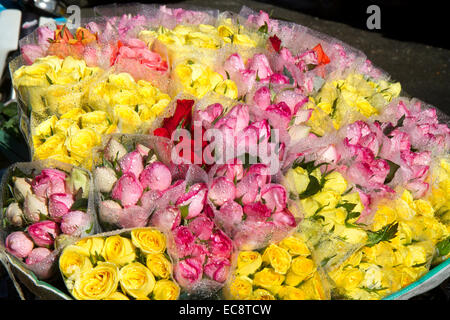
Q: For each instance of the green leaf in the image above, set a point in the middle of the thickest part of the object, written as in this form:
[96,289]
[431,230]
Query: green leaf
[313,187]
[393,167]
[288,74]
[384,234]
[324,262]
[228,75]
[374,290]
[347,206]
[334,108]
[80,204]
[184,211]
[388,130]
[264,28]
[48,79]
[443,247]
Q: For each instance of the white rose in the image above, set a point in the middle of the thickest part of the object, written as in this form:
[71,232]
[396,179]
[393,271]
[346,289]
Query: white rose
[33,207]
[14,214]
[104,179]
[21,187]
[114,150]
[298,132]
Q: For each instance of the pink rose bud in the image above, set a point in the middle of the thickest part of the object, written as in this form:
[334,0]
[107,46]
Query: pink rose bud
[247,189]
[195,198]
[184,241]
[221,191]
[75,223]
[22,187]
[188,271]
[19,244]
[294,99]
[257,211]
[143,150]
[14,214]
[109,212]
[134,217]
[43,233]
[149,198]
[114,150]
[50,181]
[217,269]
[230,215]
[132,162]
[104,179]
[242,115]
[233,171]
[262,97]
[127,189]
[37,255]
[33,207]
[274,196]
[278,79]
[260,65]
[262,173]
[31,52]
[284,218]
[329,154]
[201,227]
[59,204]
[166,219]
[234,63]
[220,245]
[282,111]
[44,33]
[211,112]
[156,176]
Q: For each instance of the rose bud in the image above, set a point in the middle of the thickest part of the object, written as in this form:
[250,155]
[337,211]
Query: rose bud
[19,244]
[260,65]
[132,162]
[262,173]
[143,150]
[220,245]
[114,150]
[167,219]
[232,171]
[14,214]
[211,112]
[221,191]
[78,179]
[217,269]
[284,218]
[59,204]
[75,223]
[257,211]
[201,227]
[50,181]
[33,207]
[156,176]
[230,214]
[43,233]
[37,255]
[104,179]
[247,189]
[195,198]
[188,271]
[149,198]
[133,217]
[109,212]
[184,241]
[21,187]
[199,251]
[262,97]
[127,189]
[275,196]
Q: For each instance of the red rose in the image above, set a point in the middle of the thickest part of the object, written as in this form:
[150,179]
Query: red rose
[322,58]
[276,43]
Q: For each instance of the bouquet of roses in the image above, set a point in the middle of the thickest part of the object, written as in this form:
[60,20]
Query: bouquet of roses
[130,264]
[43,203]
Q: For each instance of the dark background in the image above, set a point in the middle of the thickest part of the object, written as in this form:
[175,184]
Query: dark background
[412,46]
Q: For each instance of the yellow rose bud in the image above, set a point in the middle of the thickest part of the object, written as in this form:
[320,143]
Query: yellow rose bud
[159,265]
[278,258]
[261,294]
[268,279]
[93,245]
[297,180]
[52,146]
[350,278]
[46,128]
[291,293]
[295,246]
[136,280]
[293,279]
[81,143]
[97,283]
[241,288]
[327,199]
[303,267]
[117,296]
[96,120]
[128,119]
[248,262]
[118,250]
[73,114]
[335,182]
[424,208]
[166,290]
[227,88]
[74,260]
[150,241]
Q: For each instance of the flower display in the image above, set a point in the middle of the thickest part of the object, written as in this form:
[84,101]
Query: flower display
[124,266]
[233,156]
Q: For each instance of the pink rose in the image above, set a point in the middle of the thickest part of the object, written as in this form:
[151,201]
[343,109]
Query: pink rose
[156,176]
[217,269]
[211,112]
[232,171]
[134,217]
[50,181]
[19,244]
[221,191]
[127,189]
[284,218]
[230,215]
[37,255]
[201,227]
[220,245]
[278,79]
[149,199]
[293,98]
[43,233]
[234,63]
[262,97]
[75,223]
[262,173]
[59,204]
[237,118]
[109,212]
[195,198]
[132,162]
[199,251]
[274,196]
[260,65]
[167,219]
[31,52]
[257,211]
[247,189]
[188,271]
[184,241]
[282,112]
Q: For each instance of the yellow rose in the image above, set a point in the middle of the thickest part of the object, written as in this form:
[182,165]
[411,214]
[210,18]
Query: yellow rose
[293,279]
[117,296]
[159,265]
[327,199]
[268,279]
[424,208]
[81,143]
[291,293]
[303,267]
[248,262]
[278,258]
[136,280]
[96,120]
[52,146]
[74,260]
[384,215]
[334,181]
[309,206]
[97,283]
[355,199]
[46,128]
[73,114]
[66,127]
[150,241]
[128,120]
[297,180]
[227,88]
[241,288]
[118,250]
[93,245]
[261,294]
[295,246]
[166,290]
[349,278]
[314,288]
